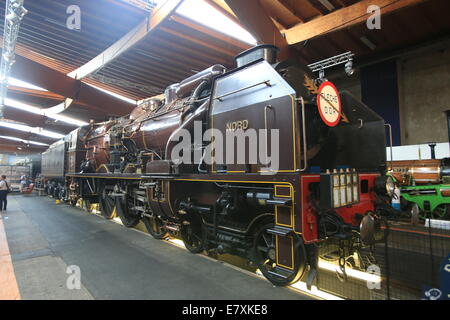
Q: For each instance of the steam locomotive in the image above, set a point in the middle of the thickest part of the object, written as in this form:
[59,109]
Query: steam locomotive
[323,192]
[425,183]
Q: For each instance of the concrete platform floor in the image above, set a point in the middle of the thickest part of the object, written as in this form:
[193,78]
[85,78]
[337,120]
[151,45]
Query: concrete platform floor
[45,239]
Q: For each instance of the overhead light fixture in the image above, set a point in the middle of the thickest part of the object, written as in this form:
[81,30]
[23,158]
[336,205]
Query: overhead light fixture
[349,68]
[24,128]
[19,83]
[16,14]
[131,101]
[322,75]
[24,141]
[25,107]
[327,4]
[368,43]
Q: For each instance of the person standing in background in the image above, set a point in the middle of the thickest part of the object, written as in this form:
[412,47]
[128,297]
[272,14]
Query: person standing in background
[4,189]
[23,182]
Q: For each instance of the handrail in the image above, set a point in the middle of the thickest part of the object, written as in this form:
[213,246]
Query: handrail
[390,140]
[267,130]
[305,158]
[266,82]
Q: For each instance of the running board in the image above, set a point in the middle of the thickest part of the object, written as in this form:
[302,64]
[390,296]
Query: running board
[280,231]
[281,272]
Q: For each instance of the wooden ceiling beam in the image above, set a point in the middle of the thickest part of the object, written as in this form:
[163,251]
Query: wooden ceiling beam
[35,93]
[282,12]
[258,23]
[343,18]
[39,94]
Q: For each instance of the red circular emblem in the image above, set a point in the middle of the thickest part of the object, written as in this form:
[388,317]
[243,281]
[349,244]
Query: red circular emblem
[329,104]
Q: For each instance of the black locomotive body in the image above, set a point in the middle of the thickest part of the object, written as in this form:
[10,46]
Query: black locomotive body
[62,157]
[283,213]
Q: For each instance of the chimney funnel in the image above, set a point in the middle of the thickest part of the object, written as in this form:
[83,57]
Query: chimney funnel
[432,146]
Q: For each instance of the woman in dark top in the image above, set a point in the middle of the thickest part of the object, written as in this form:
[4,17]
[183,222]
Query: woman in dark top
[4,189]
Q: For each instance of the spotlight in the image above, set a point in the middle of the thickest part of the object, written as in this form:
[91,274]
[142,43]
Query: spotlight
[12,18]
[322,74]
[349,68]
[21,12]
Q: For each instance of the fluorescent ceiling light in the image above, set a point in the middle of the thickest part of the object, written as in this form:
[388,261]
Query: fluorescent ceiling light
[24,141]
[204,13]
[25,128]
[327,4]
[368,43]
[25,107]
[114,94]
[23,84]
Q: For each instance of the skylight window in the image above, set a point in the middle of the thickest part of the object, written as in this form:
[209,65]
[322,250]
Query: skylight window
[204,13]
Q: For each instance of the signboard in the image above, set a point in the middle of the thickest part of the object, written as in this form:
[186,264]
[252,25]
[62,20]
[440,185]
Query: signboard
[329,104]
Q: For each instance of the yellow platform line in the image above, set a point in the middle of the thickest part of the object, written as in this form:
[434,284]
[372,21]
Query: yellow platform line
[8,283]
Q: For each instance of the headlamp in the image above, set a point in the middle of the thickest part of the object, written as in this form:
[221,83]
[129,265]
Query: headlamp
[385,186]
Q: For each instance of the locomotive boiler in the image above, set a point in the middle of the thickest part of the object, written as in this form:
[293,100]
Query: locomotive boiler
[242,162]
[425,183]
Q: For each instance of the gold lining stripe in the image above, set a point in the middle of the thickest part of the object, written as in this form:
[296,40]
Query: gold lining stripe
[291,217]
[292,253]
[281,196]
[293,131]
[100,177]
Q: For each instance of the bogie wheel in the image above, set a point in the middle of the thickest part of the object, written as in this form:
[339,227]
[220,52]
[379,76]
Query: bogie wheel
[73,202]
[106,205]
[155,226]
[86,205]
[124,208]
[264,254]
[442,211]
[192,235]
[62,194]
